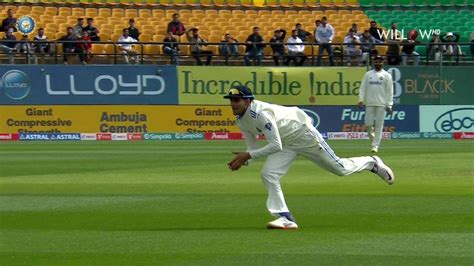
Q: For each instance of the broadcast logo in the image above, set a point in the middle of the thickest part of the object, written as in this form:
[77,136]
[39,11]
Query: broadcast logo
[26,24]
[15,84]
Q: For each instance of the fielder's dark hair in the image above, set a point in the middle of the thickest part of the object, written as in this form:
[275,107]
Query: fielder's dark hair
[325,18]
[90,19]
[255,28]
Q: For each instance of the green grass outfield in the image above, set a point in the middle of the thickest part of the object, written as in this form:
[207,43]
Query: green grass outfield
[160,203]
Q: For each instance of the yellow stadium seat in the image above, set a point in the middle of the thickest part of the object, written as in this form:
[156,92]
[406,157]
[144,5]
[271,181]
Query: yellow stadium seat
[58,35]
[144,37]
[153,50]
[104,36]
[225,12]
[97,49]
[214,38]
[131,13]
[23,8]
[37,8]
[158,37]
[114,37]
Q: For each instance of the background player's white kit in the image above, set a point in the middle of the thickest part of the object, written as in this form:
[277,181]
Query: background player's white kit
[376,92]
[289,133]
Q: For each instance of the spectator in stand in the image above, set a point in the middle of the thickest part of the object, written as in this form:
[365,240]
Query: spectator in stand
[9,22]
[324,36]
[295,50]
[125,44]
[132,30]
[408,49]
[355,28]
[435,48]
[277,45]
[197,46]
[92,31]
[367,42]
[350,46]
[394,40]
[8,46]
[170,47]
[69,44]
[24,47]
[176,26]
[84,48]
[302,34]
[254,47]
[452,46]
[228,46]
[377,33]
[317,23]
[79,27]
[41,45]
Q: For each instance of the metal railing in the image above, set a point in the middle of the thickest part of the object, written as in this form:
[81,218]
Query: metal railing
[143,49]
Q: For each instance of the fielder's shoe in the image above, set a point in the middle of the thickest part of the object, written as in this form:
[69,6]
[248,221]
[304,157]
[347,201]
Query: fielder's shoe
[282,223]
[383,171]
[375,150]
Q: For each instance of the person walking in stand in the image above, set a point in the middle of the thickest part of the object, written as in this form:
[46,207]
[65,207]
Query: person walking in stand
[289,132]
[376,93]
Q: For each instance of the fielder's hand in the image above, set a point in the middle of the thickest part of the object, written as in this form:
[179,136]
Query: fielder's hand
[389,110]
[360,104]
[240,159]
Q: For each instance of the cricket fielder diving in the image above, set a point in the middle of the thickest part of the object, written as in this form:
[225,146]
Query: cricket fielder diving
[376,92]
[289,133]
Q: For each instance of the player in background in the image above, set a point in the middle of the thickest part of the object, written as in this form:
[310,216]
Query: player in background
[289,132]
[376,93]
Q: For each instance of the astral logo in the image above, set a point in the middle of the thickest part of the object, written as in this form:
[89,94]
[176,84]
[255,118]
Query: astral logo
[314,117]
[454,120]
[15,84]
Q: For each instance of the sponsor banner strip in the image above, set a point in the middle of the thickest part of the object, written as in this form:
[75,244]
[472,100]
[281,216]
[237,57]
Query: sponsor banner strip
[49,136]
[463,135]
[173,136]
[8,136]
[353,135]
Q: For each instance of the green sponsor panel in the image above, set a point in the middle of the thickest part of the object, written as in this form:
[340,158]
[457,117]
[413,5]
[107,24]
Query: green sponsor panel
[279,85]
[432,85]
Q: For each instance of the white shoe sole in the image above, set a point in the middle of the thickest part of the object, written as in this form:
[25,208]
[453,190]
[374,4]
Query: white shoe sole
[385,168]
[271,226]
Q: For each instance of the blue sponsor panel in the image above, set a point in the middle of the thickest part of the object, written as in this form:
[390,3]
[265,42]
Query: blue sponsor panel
[21,85]
[49,136]
[405,118]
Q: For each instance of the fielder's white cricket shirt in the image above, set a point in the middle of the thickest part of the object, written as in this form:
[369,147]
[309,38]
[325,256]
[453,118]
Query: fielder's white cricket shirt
[376,89]
[281,125]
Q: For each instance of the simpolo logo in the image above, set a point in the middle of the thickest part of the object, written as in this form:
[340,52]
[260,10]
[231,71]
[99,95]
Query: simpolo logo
[455,120]
[15,84]
[406,135]
[314,117]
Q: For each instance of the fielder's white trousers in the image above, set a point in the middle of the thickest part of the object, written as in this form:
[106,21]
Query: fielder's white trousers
[313,147]
[374,119]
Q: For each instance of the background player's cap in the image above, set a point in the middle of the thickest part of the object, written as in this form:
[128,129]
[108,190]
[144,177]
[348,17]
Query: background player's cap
[378,58]
[239,92]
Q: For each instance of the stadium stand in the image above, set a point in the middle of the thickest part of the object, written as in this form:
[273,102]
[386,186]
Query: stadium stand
[214,18]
